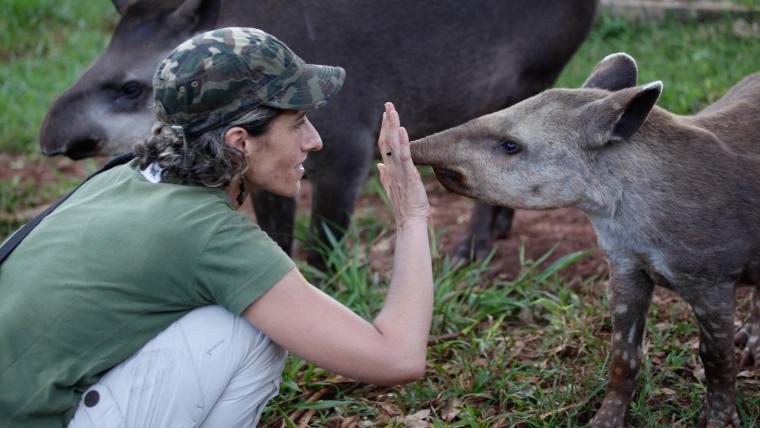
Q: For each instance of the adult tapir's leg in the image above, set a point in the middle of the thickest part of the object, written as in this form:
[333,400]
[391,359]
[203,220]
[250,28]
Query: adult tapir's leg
[275,215]
[630,293]
[748,337]
[486,224]
[337,174]
[713,306]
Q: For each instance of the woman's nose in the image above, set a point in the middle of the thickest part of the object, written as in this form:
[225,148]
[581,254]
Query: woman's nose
[312,142]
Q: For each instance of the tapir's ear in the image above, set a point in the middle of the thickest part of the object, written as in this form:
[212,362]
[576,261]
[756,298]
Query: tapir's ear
[196,15]
[619,115]
[616,71]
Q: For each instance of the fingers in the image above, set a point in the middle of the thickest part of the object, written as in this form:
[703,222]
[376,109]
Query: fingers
[404,148]
[394,143]
[383,176]
[382,140]
[394,123]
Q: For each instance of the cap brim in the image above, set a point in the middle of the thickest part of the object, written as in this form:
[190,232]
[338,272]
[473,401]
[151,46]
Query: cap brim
[316,85]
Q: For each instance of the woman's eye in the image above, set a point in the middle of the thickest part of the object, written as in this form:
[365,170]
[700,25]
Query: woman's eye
[511,147]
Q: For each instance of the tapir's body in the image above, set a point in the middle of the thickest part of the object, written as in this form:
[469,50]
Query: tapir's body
[674,200]
[690,200]
[438,61]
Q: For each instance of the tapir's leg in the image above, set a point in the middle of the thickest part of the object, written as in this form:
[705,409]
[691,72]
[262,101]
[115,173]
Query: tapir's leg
[337,174]
[486,223]
[713,305]
[748,337]
[630,294]
[275,215]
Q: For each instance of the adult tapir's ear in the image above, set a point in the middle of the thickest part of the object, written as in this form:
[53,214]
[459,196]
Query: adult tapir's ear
[619,115]
[196,15]
[616,71]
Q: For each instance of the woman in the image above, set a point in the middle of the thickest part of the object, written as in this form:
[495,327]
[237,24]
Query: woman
[145,300]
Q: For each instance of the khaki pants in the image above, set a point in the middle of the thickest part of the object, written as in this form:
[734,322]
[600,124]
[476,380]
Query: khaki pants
[209,369]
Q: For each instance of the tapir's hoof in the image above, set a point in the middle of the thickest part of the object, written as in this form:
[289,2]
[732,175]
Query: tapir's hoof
[471,250]
[610,415]
[748,338]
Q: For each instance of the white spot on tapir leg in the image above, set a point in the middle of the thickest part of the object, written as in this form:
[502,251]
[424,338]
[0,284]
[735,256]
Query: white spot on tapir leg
[631,334]
[633,363]
[618,336]
[752,340]
[699,311]
[621,308]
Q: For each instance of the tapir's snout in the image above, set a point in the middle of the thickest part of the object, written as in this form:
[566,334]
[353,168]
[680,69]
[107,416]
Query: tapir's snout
[430,150]
[74,140]
[68,131]
[439,151]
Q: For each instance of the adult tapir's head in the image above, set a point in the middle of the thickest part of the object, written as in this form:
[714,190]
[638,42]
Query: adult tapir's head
[111,102]
[540,152]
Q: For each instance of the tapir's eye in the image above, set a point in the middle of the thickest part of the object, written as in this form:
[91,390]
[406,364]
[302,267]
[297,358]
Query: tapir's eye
[132,89]
[511,147]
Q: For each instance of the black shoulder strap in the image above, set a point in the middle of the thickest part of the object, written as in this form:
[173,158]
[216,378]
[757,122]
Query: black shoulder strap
[19,236]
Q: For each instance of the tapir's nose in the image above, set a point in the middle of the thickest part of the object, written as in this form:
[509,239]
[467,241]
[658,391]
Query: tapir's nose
[71,136]
[430,150]
[76,150]
[83,148]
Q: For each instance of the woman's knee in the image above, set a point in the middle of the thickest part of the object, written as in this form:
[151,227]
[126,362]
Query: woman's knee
[215,333]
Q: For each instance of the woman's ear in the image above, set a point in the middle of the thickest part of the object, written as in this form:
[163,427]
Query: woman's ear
[235,137]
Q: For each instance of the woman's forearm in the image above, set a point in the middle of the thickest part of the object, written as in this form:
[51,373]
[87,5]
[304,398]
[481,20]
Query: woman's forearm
[407,313]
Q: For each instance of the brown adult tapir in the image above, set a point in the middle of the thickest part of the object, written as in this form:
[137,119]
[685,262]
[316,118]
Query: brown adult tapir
[439,61]
[674,201]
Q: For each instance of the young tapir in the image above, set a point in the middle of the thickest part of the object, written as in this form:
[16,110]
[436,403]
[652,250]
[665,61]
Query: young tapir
[674,200]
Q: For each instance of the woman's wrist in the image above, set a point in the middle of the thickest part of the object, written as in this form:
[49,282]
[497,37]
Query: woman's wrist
[407,222]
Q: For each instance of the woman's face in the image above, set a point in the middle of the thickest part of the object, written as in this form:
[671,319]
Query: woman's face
[275,158]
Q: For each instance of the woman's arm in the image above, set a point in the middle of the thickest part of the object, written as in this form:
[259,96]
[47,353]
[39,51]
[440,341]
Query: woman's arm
[317,328]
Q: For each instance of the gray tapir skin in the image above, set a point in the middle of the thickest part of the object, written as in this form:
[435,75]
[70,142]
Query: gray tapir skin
[439,61]
[674,200]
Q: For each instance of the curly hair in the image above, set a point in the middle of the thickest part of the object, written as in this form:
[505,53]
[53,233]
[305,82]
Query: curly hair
[205,159]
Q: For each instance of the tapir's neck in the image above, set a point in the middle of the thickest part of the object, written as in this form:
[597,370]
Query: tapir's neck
[644,189]
[669,161]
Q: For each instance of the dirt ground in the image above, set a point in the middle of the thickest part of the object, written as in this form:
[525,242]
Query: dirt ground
[562,230]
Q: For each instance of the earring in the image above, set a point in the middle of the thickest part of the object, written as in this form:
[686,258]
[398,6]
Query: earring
[241,194]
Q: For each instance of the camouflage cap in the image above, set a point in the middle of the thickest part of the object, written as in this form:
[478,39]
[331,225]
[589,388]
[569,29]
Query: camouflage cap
[217,77]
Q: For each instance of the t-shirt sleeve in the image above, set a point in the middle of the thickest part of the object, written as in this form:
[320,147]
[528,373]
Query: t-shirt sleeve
[239,264]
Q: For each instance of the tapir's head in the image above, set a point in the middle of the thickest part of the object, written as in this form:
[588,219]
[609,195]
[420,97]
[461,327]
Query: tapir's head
[539,153]
[110,108]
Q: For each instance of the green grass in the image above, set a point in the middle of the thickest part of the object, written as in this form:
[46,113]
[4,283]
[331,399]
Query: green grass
[44,46]
[696,61]
[531,352]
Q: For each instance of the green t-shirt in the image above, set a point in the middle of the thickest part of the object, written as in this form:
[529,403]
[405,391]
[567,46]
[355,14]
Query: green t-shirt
[107,271]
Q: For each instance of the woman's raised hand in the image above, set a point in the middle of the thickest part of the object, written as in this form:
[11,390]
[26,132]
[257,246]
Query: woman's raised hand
[399,177]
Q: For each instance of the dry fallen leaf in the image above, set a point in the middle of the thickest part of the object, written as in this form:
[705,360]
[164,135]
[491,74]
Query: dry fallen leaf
[417,420]
[452,409]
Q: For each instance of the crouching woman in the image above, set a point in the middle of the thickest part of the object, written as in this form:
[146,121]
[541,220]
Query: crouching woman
[146,300]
